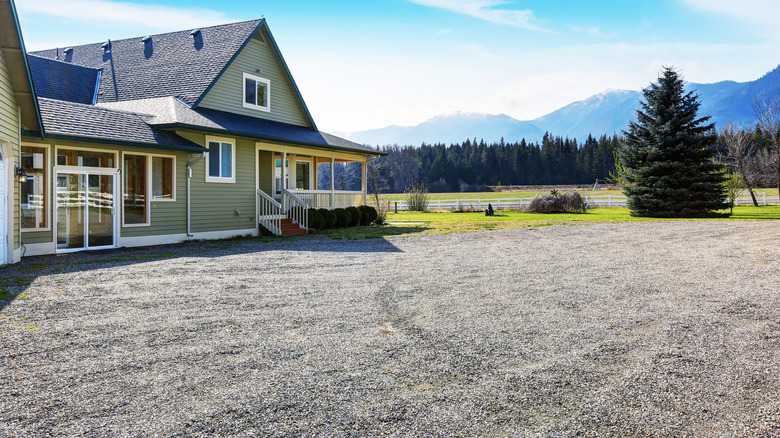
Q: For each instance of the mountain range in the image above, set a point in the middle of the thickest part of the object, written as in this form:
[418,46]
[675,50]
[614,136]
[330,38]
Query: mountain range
[605,113]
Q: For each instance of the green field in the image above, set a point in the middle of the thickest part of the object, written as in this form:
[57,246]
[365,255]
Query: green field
[444,222]
[530,194]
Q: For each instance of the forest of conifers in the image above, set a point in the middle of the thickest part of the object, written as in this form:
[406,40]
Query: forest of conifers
[473,165]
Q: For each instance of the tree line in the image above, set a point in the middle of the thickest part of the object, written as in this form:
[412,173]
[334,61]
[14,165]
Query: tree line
[473,165]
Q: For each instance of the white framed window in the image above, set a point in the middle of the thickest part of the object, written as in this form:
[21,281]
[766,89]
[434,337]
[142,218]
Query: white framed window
[257,93]
[33,193]
[145,178]
[163,176]
[220,160]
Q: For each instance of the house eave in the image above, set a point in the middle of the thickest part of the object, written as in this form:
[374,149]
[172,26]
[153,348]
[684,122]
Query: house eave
[108,142]
[232,133]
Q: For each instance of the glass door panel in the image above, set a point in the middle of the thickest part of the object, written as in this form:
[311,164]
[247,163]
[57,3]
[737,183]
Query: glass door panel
[85,210]
[100,200]
[71,209]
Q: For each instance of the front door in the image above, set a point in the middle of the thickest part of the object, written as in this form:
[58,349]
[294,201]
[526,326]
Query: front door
[86,216]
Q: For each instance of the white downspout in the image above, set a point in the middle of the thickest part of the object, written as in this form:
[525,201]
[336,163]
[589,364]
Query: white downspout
[190,162]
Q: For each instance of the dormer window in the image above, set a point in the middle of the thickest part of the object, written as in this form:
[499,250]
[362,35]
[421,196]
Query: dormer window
[257,93]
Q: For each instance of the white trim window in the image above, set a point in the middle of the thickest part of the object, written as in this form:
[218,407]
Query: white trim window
[145,178]
[220,161]
[33,193]
[257,93]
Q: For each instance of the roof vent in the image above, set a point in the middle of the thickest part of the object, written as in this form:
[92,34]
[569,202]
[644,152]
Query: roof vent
[106,46]
[146,39]
[195,33]
[68,50]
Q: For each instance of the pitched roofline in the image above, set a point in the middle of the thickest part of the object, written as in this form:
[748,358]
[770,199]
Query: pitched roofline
[263,24]
[33,95]
[103,141]
[173,126]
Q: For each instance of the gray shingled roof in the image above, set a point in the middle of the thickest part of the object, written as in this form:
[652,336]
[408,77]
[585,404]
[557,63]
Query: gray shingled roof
[171,64]
[91,123]
[171,113]
[63,81]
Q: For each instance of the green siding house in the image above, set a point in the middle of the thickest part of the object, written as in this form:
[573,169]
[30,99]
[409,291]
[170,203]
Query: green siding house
[195,134]
[18,111]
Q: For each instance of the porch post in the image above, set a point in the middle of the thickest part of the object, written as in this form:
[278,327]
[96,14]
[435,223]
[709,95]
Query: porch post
[284,178]
[364,181]
[332,183]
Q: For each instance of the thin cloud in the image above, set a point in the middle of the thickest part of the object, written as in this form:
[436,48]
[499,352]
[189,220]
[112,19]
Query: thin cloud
[108,11]
[487,10]
[760,12]
[594,32]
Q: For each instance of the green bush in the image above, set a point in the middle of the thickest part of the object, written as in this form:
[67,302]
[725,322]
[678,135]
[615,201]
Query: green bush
[365,215]
[316,221]
[342,218]
[328,218]
[354,216]
[372,213]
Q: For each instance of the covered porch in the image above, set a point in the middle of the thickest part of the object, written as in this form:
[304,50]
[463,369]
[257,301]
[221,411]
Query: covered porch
[319,179]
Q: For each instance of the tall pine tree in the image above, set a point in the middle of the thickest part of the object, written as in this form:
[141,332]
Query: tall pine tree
[667,161]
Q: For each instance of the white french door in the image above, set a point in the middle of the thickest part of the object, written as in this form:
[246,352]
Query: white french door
[86,210]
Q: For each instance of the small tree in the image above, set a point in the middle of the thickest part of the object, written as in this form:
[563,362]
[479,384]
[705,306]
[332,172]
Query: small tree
[417,197]
[733,186]
[666,162]
[741,153]
[377,183]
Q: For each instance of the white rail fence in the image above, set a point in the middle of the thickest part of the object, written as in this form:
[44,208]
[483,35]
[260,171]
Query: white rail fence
[521,203]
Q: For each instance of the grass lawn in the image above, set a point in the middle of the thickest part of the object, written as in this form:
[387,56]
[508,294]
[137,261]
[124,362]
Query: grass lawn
[531,194]
[444,222]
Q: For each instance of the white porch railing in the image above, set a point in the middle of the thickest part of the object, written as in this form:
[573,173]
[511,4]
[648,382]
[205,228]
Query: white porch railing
[296,209]
[330,200]
[269,213]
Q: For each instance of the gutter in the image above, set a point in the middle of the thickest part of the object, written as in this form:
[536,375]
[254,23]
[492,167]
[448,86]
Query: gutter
[190,162]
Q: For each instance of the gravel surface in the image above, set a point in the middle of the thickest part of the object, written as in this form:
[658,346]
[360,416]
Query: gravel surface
[629,329]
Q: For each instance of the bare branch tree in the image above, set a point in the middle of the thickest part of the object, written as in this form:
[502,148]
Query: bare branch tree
[767,111]
[742,157]
[377,183]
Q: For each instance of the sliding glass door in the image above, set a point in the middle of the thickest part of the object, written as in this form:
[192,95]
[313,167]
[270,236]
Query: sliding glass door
[86,216]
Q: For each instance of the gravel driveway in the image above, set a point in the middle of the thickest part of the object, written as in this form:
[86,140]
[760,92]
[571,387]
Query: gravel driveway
[629,329]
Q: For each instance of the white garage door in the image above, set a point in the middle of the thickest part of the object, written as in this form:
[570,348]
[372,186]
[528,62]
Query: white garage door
[3,209]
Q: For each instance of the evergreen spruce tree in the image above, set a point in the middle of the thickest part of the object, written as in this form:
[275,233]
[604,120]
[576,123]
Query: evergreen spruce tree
[667,162]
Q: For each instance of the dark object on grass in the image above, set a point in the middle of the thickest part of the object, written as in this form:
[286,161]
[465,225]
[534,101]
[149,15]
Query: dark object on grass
[489,211]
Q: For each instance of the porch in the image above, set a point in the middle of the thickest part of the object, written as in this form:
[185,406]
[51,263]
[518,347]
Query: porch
[335,181]
[299,180]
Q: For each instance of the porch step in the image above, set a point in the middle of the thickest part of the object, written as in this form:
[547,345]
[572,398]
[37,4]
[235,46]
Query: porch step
[289,228]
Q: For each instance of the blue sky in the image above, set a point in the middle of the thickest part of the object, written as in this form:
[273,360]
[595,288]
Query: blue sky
[369,64]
